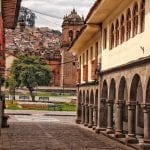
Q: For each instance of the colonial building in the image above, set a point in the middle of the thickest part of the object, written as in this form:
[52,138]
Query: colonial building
[70,29]
[115,38]
[8,19]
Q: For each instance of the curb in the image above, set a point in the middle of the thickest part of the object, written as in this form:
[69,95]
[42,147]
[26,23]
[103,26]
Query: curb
[26,114]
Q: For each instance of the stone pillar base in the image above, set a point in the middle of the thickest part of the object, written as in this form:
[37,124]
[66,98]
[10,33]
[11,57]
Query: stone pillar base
[98,129]
[85,124]
[131,139]
[4,121]
[81,122]
[89,125]
[78,121]
[94,127]
[119,135]
[144,144]
[109,131]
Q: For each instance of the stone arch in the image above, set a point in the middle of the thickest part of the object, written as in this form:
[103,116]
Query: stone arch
[148,92]
[83,97]
[96,97]
[112,90]
[136,95]
[111,115]
[80,97]
[136,91]
[123,96]
[79,107]
[87,97]
[92,97]
[87,109]
[104,90]
[104,97]
[96,108]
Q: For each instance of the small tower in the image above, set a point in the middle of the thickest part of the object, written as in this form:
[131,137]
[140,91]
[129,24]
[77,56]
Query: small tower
[71,27]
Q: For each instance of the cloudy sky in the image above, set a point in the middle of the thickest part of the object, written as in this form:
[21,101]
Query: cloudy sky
[51,12]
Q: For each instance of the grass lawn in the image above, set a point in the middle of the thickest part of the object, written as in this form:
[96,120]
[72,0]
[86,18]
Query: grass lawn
[61,106]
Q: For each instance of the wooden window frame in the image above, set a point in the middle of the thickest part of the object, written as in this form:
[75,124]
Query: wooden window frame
[117,33]
[122,28]
[128,32]
[105,38]
[135,19]
[142,16]
[112,37]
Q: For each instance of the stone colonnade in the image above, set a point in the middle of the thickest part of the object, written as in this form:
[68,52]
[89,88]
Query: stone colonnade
[120,106]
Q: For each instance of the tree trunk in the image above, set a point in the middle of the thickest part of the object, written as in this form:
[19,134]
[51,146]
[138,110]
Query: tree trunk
[12,94]
[32,94]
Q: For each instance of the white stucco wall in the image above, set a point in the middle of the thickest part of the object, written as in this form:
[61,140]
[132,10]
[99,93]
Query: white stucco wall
[130,50]
[88,46]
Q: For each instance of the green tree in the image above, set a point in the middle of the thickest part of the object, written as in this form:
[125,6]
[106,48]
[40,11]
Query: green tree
[11,84]
[30,71]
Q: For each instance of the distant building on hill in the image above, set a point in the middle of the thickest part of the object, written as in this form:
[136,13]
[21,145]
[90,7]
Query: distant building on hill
[27,16]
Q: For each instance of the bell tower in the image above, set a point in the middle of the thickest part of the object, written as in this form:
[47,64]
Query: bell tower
[71,27]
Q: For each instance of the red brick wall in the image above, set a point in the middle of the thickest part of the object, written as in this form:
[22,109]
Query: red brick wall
[55,68]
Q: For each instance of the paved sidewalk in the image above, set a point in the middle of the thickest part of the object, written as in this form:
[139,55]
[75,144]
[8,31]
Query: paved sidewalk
[52,113]
[32,130]
[54,136]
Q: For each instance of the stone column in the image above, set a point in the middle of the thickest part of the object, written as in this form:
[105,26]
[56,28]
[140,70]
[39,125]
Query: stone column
[82,113]
[101,122]
[78,119]
[145,143]
[86,115]
[131,137]
[90,116]
[95,117]
[110,117]
[119,126]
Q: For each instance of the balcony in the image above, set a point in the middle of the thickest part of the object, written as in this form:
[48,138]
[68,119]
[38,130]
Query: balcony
[94,65]
[85,73]
[78,75]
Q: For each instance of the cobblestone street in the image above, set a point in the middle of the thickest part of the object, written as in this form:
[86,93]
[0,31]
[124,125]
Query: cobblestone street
[59,134]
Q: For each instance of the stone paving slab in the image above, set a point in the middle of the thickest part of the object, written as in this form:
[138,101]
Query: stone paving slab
[60,135]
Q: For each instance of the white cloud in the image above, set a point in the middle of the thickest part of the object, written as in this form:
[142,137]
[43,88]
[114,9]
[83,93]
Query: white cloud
[56,9]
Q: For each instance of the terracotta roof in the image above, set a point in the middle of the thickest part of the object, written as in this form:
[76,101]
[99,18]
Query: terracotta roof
[92,9]
[10,12]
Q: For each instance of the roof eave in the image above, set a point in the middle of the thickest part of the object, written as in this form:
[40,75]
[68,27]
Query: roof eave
[81,42]
[10,19]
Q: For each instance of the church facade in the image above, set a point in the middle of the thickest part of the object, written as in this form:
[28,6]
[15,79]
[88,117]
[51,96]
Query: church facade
[71,27]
